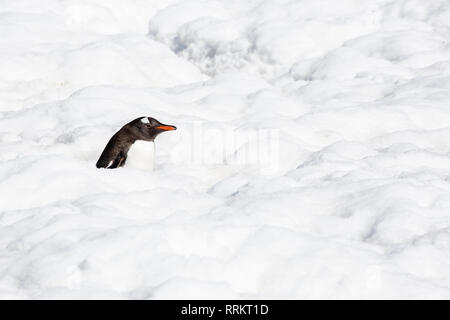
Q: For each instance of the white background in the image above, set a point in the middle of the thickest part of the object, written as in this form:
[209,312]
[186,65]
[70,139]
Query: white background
[357,91]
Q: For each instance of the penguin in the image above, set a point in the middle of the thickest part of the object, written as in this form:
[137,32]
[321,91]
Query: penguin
[133,144]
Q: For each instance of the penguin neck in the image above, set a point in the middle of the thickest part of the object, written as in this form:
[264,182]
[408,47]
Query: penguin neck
[141,155]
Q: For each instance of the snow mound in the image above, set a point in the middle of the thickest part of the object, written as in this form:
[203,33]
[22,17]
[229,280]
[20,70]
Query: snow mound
[311,158]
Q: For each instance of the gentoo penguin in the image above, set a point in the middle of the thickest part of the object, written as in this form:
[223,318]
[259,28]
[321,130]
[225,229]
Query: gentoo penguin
[133,144]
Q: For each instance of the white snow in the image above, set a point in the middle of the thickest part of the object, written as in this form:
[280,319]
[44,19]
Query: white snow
[311,157]
[110,164]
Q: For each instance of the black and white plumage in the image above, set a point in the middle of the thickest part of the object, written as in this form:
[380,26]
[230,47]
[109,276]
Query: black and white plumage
[133,144]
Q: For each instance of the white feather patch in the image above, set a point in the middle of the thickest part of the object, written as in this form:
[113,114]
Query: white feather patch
[141,155]
[145,120]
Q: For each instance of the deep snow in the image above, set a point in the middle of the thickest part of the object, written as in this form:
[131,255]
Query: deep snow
[345,102]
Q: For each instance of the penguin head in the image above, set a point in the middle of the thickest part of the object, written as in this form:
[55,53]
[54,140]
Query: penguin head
[147,128]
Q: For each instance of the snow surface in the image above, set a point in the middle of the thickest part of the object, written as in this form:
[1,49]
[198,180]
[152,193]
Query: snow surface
[355,204]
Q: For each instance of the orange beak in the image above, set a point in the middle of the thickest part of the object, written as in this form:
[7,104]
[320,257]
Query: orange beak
[166,128]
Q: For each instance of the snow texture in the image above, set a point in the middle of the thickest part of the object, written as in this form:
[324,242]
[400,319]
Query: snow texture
[355,204]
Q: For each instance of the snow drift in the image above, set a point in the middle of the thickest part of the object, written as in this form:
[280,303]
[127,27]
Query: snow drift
[355,202]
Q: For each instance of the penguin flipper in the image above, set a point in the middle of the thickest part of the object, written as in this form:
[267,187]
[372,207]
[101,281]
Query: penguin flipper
[117,162]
